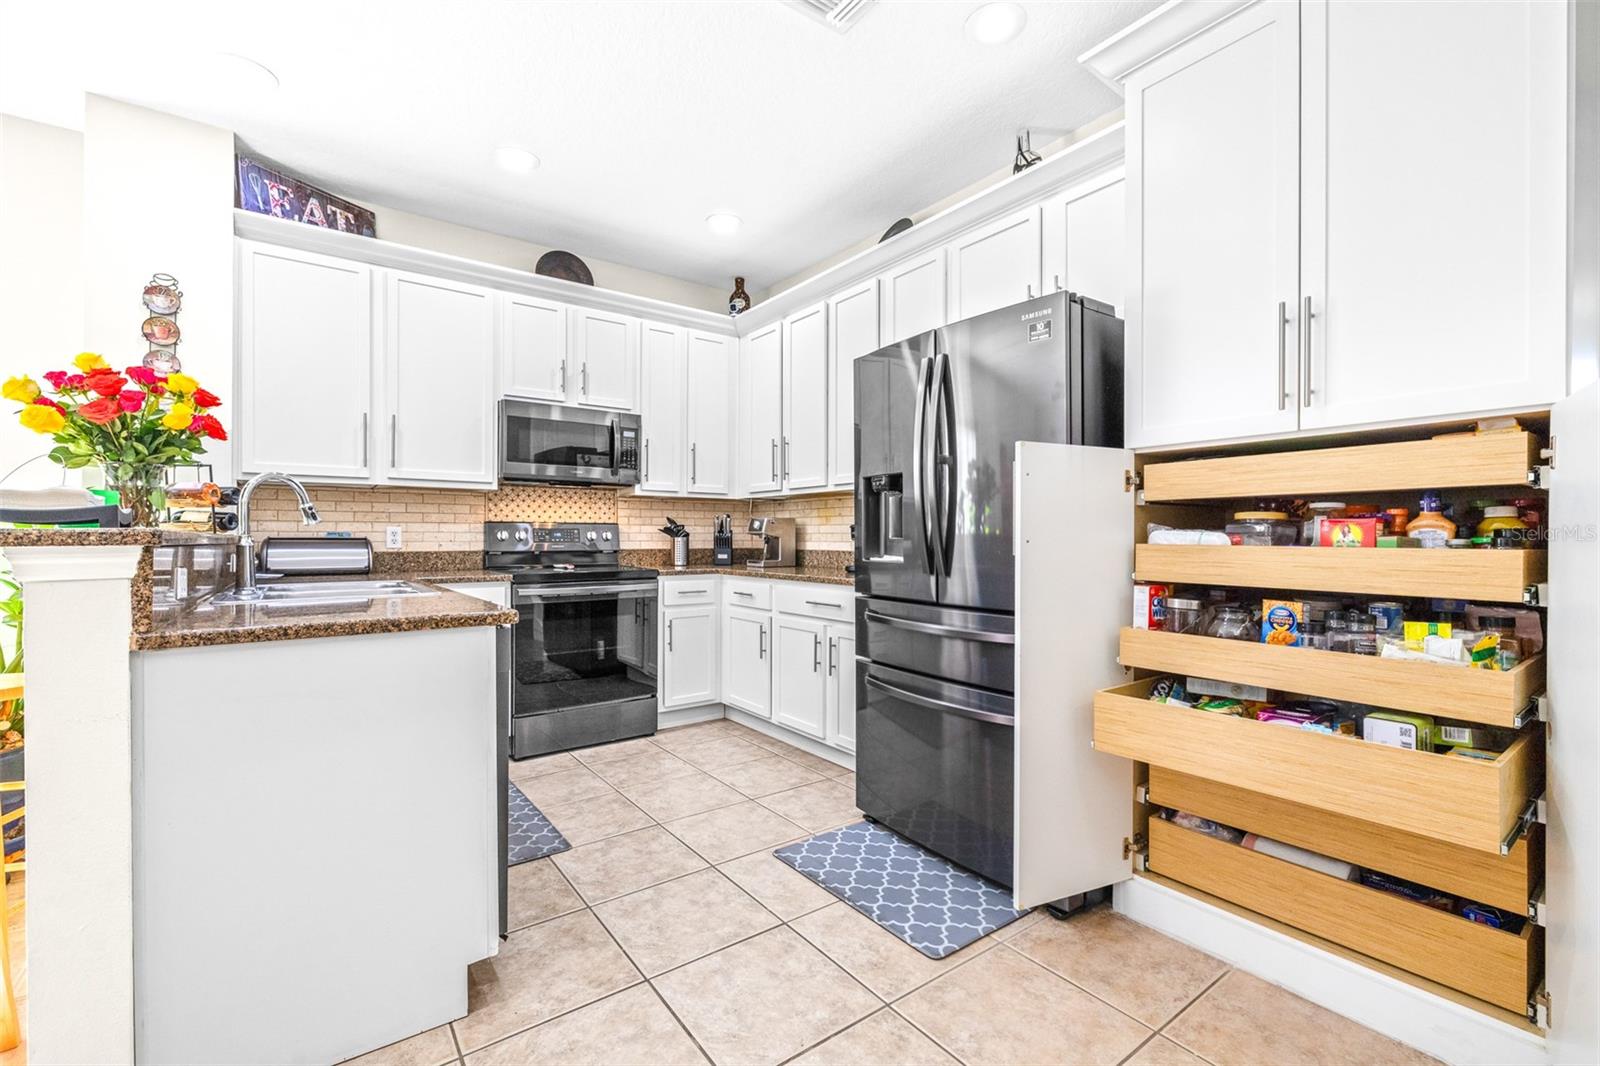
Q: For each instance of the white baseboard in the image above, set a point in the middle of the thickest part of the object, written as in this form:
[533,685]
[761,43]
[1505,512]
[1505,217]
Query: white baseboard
[708,712]
[1440,1027]
[789,736]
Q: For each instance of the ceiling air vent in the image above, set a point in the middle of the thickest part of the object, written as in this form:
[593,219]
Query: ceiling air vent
[840,15]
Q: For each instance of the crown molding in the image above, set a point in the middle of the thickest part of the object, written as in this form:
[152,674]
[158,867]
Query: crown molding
[1158,32]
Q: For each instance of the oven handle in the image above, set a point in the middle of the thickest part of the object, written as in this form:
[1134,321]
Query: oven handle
[572,592]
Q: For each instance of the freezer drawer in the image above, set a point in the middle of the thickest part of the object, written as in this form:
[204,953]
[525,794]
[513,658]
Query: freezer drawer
[968,647]
[934,763]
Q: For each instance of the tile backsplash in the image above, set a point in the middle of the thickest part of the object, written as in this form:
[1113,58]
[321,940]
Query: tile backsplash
[452,519]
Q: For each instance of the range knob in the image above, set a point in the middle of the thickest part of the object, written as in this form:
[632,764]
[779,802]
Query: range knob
[501,535]
[589,535]
[605,536]
[522,534]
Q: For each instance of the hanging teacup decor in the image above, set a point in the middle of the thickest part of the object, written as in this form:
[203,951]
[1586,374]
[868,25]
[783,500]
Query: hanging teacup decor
[162,299]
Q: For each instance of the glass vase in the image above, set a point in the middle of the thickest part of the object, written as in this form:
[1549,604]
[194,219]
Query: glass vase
[140,489]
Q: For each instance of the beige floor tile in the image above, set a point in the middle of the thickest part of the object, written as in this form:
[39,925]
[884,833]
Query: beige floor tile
[720,752]
[670,924]
[583,821]
[873,955]
[847,780]
[1026,922]
[1162,1052]
[536,891]
[621,864]
[1132,967]
[728,832]
[642,768]
[1003,1008]
[633,1026]
[825,767]
[817,806]
[563,786]
[765,999]
[883,1038]
[777,885]
[541,972]
[620,749]
[432,1048]
[677,797]
[1244,1020]
[526,769]
[686,736]
[763,777]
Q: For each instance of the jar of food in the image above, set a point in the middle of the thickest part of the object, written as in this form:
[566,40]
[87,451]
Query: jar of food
[1510,648]
[1363,634]
[1185,615]
[1231,622]
[1315,634]
[1311,528]
[1399,519]
[1502,517]
[1431,528]
[1262,528]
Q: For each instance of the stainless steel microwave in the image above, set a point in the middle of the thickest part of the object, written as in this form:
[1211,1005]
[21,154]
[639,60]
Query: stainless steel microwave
[567,445]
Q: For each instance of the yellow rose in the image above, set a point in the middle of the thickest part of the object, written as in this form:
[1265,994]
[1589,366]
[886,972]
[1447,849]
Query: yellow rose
[42,419]
[88,362]
[179,417]
[22,389]
[182,383]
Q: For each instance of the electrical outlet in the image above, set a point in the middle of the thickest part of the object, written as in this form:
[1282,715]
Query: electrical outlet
[392,537]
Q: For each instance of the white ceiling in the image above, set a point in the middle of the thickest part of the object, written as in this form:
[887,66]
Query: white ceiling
[647,116]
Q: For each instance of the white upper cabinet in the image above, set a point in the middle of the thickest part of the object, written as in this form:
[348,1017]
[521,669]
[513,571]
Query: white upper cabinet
[304,318]
[852,333]
[712,371]
[439,367]
[803,452]
[1213,247]
[1085,237]
[994,266]
[605,356]
[761,408]
[533,355]
[663,354]
[1433,256]
[913,296]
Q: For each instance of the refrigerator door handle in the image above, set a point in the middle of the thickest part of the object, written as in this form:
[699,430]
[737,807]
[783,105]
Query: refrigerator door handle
[944,463]
[934,629]
[919,486]
[939,705]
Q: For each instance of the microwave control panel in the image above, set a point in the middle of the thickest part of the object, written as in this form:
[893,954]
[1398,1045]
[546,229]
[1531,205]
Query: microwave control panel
[628,449]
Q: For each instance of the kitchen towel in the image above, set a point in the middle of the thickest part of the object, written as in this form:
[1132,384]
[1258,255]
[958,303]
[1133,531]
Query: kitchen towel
[529,834]
[930,903]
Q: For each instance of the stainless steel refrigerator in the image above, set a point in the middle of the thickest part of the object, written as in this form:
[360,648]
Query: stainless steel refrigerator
[937,419]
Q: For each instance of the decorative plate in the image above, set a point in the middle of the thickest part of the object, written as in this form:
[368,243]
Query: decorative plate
[564,265]
[162,361]
[159,329]
[161,296]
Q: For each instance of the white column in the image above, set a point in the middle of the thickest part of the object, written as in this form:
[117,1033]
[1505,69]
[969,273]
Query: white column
[80,819]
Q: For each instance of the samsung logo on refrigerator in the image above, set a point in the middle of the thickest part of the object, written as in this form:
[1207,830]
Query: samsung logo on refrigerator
[1037,314]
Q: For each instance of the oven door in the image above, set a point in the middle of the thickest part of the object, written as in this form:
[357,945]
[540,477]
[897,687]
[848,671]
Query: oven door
[585,665]
[543,442]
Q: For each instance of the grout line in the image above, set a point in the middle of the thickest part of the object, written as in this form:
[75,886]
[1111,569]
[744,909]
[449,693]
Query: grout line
[1162,1031]
[546,1021]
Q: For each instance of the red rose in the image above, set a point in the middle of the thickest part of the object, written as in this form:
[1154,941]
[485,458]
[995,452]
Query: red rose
[45,401]
[100,411]
[208,425]
[131,400]
[74,382]
[56,378]
[145,376]
[202,398]
[106,382]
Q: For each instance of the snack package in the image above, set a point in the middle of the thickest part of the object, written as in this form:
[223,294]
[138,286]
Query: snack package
[1349,533]
[1399,730]
[1409,889]
[1169,690]
[1206,826]
[1282,622]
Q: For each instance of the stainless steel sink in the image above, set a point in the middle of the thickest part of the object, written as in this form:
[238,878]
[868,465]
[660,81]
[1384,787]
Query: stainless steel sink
[306,593]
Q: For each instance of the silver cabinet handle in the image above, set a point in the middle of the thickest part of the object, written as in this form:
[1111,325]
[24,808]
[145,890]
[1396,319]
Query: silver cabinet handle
[394,440]
[563,379]
[366,438]
[833,644]
[1283,323]
[763,641]
[741,592]
[825,603]
[692,592]
[585,378]
[694,464]
[669,634]
[647,458]
[1030,290]
[1058,282]
[774,459]
[1305,366]
[816,653]
[786,460]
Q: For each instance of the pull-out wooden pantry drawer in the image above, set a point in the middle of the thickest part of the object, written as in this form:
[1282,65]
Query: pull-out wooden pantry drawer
[1461,801]
[1493,965]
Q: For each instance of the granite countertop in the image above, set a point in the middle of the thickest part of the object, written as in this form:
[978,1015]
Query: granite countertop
[822,575]
[445,575]
[51,537]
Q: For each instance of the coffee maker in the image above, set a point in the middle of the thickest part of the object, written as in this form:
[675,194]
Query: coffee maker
[777,542]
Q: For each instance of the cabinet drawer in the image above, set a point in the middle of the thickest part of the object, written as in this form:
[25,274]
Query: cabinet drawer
[1491,964]
[747,592]
[820,601]
[1452,799]
[683,590]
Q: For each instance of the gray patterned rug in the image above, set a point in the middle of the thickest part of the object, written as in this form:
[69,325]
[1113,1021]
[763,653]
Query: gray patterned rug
[930,903]
[529,834]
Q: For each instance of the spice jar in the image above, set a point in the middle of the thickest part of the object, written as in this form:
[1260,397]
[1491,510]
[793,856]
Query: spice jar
[1311,528]
[1258,528]
[1231,622]
[1185,615]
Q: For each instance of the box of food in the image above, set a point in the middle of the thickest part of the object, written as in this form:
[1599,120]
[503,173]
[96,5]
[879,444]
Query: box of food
[1399,730]
[1206,686]
[1150,606]
[1282,622]
[1348,533]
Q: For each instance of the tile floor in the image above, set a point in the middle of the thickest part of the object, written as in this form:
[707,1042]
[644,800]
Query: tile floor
[669,934]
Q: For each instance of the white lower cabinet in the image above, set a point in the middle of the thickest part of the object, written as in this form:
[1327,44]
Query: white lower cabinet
[800,679]
[747,660]
[688,656]
[841,708]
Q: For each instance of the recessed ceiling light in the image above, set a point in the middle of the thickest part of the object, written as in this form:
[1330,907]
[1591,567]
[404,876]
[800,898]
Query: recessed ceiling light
[516,160]
[996,23]
[724,224]
[241,75]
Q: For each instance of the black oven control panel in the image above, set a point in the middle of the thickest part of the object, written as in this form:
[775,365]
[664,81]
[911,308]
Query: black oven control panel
[529,537]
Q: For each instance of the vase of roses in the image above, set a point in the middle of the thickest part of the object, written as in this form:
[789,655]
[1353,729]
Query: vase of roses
[134,424]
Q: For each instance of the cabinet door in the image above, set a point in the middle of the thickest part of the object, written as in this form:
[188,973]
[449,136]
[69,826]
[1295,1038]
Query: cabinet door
[800,679]
[804,451]
[711,375]
[913,295]
[439,380]
[662,357]
[1435,266]
[761,408]
[605,356]
[1085,235]
[688,656]
[746,662]
[533,349]
[842,687]
[995,266]
[1213,245]
[852,332]
[305,364]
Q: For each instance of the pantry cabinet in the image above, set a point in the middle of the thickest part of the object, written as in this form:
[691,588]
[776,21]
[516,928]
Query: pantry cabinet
[663,373]
[841,709]
[533,356]
[605,356]
[761,409]
[913,296]
[995,265]
[441,425]
[852,333]
[747,665]
[803,454]
[688,656]
[304,318]
[799,677]
[712,370]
